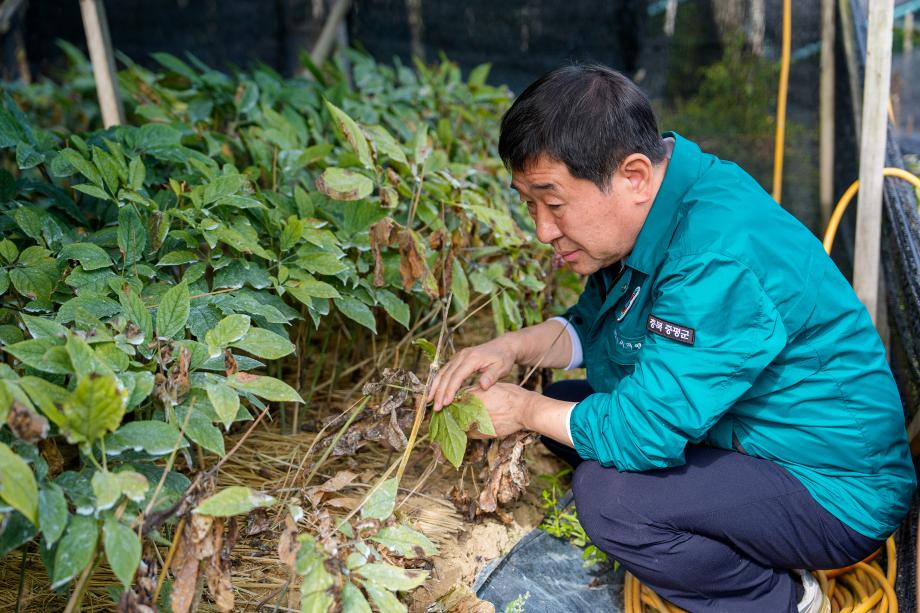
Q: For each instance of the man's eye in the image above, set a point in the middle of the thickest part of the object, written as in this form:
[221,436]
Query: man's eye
[554,206]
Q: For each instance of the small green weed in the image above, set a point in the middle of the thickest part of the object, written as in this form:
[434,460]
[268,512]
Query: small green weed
[564,524]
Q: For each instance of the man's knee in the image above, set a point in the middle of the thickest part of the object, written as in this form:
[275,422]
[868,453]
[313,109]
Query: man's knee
[599,497]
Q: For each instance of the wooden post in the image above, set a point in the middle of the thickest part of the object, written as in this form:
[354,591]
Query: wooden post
[873,141]
[758,26]
[327,37]
[100,53]
[827,110]
[670,18]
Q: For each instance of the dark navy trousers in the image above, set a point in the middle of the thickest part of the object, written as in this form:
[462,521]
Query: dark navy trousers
[719,533]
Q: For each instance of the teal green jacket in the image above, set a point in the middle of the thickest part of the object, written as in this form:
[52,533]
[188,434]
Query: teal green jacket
[729,326]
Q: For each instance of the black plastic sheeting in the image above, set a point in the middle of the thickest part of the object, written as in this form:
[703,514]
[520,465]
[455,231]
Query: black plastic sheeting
[551,573]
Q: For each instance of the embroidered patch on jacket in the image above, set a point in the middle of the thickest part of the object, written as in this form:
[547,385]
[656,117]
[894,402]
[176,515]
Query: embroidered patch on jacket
[681,334]
[632,300]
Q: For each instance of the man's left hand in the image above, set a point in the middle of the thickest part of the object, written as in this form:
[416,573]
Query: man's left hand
[507,404]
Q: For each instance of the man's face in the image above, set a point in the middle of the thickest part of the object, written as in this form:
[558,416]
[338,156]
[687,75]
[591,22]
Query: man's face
[588,228]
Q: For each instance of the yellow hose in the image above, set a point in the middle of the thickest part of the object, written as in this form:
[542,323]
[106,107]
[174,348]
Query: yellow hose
[847,196]
[868,589]
[779,145]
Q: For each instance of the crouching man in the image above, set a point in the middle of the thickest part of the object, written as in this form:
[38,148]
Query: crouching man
[739,420]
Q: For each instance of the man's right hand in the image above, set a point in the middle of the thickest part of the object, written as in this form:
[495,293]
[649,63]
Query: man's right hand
[494,360]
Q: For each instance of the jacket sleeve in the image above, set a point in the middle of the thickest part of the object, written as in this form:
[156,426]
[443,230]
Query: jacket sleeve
[677,391]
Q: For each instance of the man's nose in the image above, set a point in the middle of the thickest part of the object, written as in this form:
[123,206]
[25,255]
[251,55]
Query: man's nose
[547,230]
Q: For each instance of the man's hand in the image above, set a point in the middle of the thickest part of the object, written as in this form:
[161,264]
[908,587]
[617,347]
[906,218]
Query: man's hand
[494,360]
[507,404]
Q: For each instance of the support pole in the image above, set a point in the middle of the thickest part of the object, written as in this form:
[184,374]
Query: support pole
[327,37]
[873,140]
[827,110]
[100,53]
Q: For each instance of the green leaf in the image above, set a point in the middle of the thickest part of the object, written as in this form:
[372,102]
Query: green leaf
[268,388]
[200,430]
[311,288]
[122,549]
[468,409]
[17,531]
[8,250]
[449,436]
[352,134]
[264,344]
[172,314]
[385,143]
[234,500]
[353,601]
[4,281]
[27,156]
[392,577]
[108,168]
[310,564]
[52,512]
[380,504]
[83,358]
[92,190]
[421,148]
[95,407]
[136,311]
[177,258]
[47,396]
[384,599]
[155,438]
[76,550]
[460,286]
[142,386]
[222,186]
[40,326]
[358,311]
[405,541]
[35,353]
[107,489]
[427,347]
[132,235]
[136,174]
[133,485]
[226,403]
[83,166]
[36,282]
[395,308]
[17,484]
[344,184]
[228,330]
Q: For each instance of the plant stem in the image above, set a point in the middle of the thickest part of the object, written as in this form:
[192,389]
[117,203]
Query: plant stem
[76,598]
[22,579]
[338,435]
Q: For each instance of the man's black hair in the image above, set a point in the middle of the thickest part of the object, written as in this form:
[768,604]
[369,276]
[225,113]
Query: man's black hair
[587,116]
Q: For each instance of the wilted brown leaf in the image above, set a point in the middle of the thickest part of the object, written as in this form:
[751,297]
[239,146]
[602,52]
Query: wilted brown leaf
[412,265]
[49,450]
[218,569]
[287,543]
[195,544]
[381,235]
[257,521]
[230,367]
[26,424]
[506,474]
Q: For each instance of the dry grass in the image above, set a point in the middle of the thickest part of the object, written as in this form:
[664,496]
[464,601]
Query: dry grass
[278,462]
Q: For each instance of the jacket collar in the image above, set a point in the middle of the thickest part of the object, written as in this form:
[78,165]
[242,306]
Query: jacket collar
[658,229]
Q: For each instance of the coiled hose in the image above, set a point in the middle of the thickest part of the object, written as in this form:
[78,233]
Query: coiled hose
[861,588]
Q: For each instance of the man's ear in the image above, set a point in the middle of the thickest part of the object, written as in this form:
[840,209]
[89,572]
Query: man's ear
[636,169]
